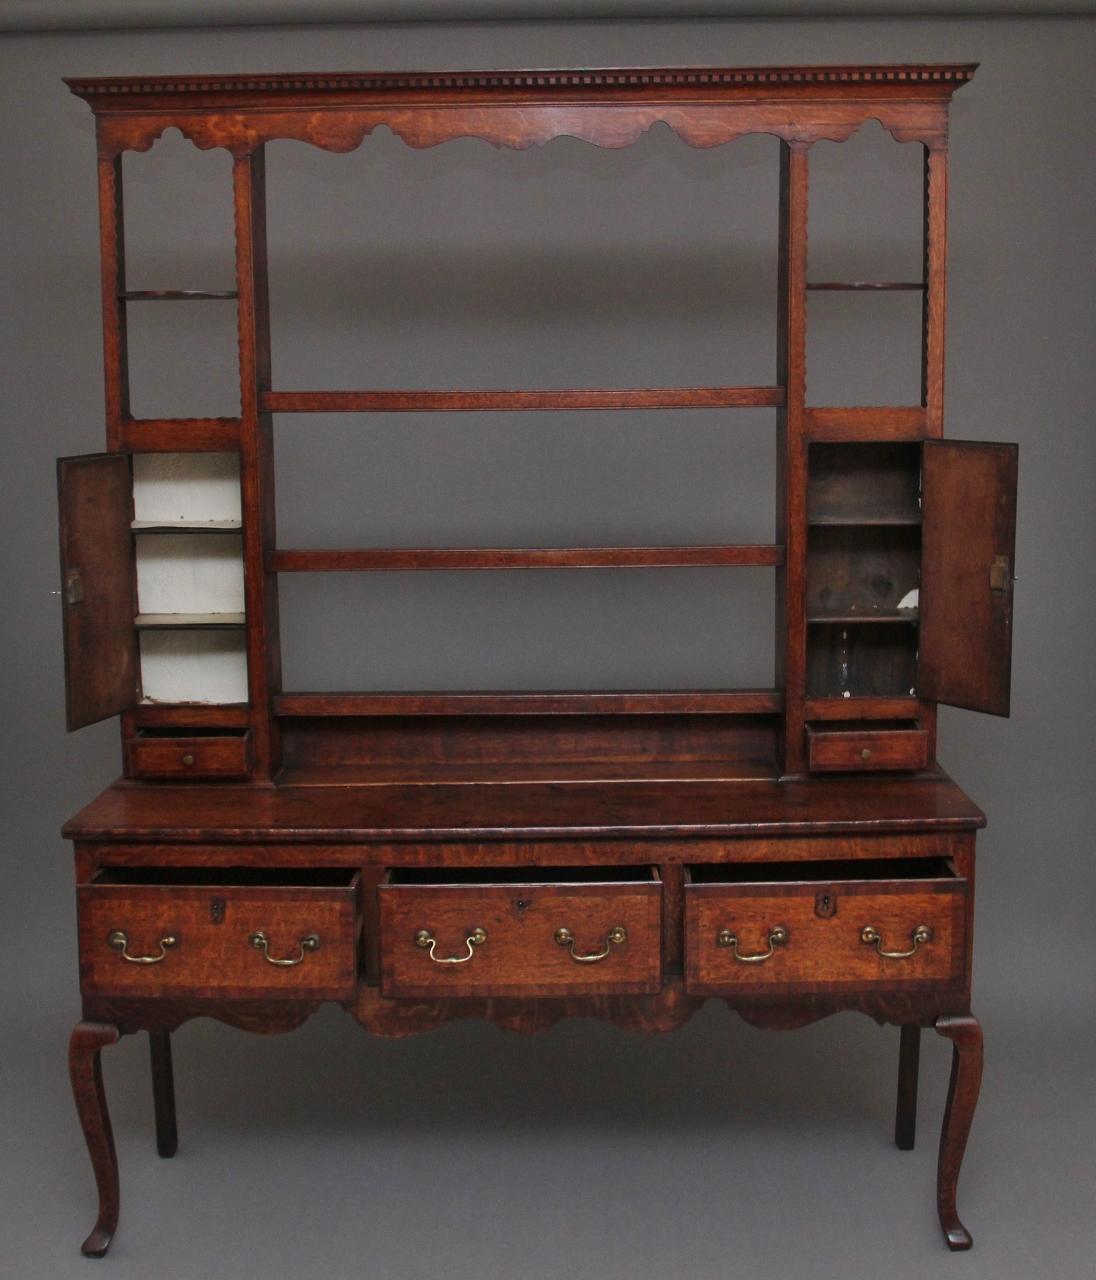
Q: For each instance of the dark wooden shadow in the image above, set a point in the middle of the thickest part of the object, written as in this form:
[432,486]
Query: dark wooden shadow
[86,1072]
[163,1093]
[905,1116]
[965,1034]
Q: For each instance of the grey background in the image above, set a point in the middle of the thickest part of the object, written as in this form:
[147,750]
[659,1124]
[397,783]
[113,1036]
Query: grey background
[586,1151]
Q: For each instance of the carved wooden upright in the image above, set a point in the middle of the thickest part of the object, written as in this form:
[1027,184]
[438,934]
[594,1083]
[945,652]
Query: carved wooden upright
[523,857]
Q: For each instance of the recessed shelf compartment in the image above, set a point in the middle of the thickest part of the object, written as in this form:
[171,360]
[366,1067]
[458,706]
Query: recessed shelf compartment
[186,488]
[846,661]
[862,573]
[190,583]
[197,666]
[864,484]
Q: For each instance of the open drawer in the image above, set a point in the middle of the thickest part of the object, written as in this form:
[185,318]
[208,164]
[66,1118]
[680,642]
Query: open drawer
[814,927]
[523,931]
[219,932]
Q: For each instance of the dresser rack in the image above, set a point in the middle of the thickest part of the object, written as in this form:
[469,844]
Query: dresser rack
[520,856]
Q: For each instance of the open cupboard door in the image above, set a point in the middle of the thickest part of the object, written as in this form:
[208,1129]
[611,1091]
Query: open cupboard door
[968,497]
[95,500]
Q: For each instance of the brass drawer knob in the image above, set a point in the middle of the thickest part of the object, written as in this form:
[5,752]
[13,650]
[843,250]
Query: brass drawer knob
[778,937]
[310,942]
[188,758]
[871,935]
[120,942]
[614,938]
[426,940]
[865,753]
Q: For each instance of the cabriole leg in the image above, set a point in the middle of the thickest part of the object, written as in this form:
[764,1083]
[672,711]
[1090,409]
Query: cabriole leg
[163,1093]
[965,1035]
[86,1072]
[905,1116]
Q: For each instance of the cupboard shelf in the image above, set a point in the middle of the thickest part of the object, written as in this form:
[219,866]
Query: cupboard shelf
[864,521]
[909,616]
[190,621]
[187,526]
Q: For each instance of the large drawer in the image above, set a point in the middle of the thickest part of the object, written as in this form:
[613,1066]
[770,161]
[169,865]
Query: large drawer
[520,931]
[219,932]
[789,928]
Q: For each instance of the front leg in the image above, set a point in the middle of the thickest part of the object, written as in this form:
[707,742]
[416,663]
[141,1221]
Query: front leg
[86,1073]
[965,1035]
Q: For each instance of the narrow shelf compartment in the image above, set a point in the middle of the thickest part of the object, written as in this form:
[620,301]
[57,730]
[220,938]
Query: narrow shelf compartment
[178,295]
[189,673]
[187,526]
[846,662]
[189,621]
[864,484]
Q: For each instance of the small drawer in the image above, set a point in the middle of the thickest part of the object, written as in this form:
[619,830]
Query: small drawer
[814,927]
[866,744]
[520,932]
[218,754]
[219,932]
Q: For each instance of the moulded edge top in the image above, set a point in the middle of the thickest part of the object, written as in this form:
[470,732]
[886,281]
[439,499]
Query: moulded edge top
[137,92]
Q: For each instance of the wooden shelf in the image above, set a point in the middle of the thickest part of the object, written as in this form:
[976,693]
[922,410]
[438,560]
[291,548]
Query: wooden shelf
[187,526]
[401,558]
[464,401]
[868,286]
[178,295]
[622,702]
[190,621]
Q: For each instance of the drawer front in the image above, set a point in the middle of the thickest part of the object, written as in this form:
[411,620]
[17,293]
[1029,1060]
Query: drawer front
[227,756]
[824,936]
[520,939]
[852,749]
[219,941]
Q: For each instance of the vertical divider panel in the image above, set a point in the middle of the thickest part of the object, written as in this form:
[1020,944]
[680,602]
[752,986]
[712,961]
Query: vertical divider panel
[792,447]
[256,456]
[113,262]
[935,306]
[112,259]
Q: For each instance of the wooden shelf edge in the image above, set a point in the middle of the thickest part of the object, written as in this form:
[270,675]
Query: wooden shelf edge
[866,422]
[412,558]
[899,708]
[486,401]
[192,715]
[178,435]
[703,701]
